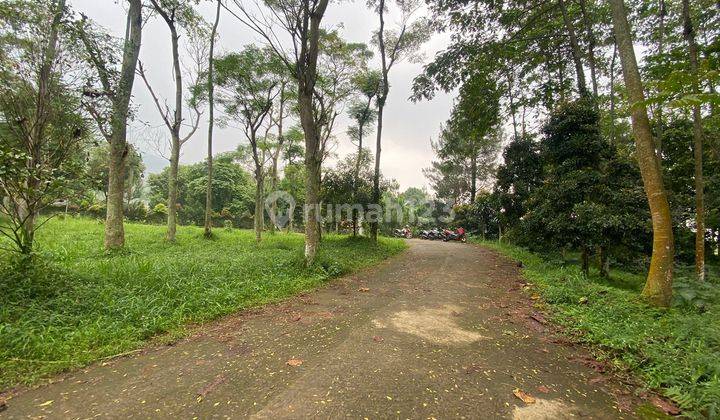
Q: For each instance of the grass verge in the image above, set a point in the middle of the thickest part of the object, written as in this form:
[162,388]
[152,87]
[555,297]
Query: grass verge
[75,304]
[675,351]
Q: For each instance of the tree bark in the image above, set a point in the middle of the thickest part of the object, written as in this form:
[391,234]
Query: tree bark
[613,117]
[381,107]
[659,113]
[276,154]
[376,176]
[259,219]
[27,205]
[689,34]
[585,261]
[211,124]
[114,229]
[356,174]
[604,262]
[312,171]
[587,21]
[574,48]
[173,190]
[510,82]
[658,287]
[473,178]
[306,75]
[175,138]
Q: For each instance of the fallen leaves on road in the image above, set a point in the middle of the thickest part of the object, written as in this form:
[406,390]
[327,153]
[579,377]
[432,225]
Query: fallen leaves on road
[363,289]
[295,362]
[46,403]
[377,339]
[526,398]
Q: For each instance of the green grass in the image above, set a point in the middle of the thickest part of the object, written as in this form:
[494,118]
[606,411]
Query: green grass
[675,351]
[75,304]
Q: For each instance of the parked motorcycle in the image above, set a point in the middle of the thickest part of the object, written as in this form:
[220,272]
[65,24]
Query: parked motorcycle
[434,234]
[403,233]
[458,235]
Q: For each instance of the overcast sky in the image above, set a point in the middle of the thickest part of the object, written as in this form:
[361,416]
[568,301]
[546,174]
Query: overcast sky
[408,127]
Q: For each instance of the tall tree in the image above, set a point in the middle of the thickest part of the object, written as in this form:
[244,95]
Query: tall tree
[175,13]
[281,106]
[211,122]
[42,129]
[394,46]
[689,34]
[473,121]
[658,286]
[363,113]
[250,82]
[300,19]
[116,87]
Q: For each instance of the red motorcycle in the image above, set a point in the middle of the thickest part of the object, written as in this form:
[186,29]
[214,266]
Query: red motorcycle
[457,235]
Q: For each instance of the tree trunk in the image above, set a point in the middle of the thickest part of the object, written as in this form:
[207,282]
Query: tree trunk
[381,106]
[173,189]
[376,175]
[689,34]
[658,287]
[613,128]
[211,124]
[585,261]
[276,156]
[590,33]
[306,75]
[312,172]
[510,82]
[659,112]
[473,178]
[259,218]
[114,229]
[356,174]
[175,137]
[603,263]
[27,204]
[574,48]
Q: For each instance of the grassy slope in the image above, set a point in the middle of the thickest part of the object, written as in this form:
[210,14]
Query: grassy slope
[77,305]
[676,351]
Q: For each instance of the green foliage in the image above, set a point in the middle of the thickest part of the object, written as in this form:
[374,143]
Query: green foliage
[590,196]
[232,189]
[98,167]
[76,304]
[519,175]
[676,351]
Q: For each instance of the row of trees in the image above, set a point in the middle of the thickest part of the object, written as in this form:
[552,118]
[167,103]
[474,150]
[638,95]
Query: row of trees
[565,186]
[70,83]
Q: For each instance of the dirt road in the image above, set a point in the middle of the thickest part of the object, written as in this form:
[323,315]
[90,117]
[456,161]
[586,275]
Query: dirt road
[442,331]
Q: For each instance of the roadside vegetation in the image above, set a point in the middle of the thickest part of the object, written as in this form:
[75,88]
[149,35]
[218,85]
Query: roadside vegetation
[76,304]
[674,350]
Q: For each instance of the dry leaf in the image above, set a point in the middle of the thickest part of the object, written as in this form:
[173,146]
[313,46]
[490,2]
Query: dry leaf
[526,398]
[543,389]
[363,289]
[377,339]
[666,406]
[46,403]
[295,362]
